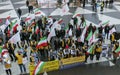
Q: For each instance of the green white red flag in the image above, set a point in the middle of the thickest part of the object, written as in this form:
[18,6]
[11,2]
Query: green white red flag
[89,37]
[42,43]
[38,68]
[117,50]
[105,23]
[90,50]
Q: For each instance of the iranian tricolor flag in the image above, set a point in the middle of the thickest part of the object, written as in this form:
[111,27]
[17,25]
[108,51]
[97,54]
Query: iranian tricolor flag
[75,15]
[37,11]
[57,24]
[4,51]
[14,26]
[89,37]
[60,21]
[83,34]
[117,50]
[105,23]
[42,43]
[51,34]
[27,19]
[93,38]
[15,38]
[37,30]
[90,50]
[38,68]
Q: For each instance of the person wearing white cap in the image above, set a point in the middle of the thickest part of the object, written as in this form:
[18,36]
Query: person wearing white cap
[7,64]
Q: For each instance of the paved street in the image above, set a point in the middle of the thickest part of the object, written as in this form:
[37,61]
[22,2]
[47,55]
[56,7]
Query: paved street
[9,7]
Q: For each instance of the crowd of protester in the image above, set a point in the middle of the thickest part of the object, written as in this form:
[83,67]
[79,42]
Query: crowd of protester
[63,45]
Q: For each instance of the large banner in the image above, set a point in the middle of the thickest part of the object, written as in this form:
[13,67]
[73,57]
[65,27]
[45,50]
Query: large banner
[73,60]
[45,66]
[53,65]
[50,66]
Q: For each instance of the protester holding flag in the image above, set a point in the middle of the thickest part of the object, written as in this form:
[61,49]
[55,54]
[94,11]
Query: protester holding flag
[75,20]
[107,28]
[78,32]
[40,24]
[112,38]
[84,49]
[30,8]
[116,51]
[20,62]
[7,64]
[98,50]
[100,29]
[10,46]
[82,21]
[91,51]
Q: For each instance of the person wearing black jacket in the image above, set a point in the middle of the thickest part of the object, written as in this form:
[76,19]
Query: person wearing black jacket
[40,23]
[30,8]
[19,12]
[62,33]
[82,20]
[107,28]
[90,28]
[10,47]
[78,32]
[27,3]
[100,30]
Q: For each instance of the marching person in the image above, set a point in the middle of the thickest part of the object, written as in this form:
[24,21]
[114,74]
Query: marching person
[30,8]
[111,3]
[75,20]
[11,48]
[106,3]
[84,48]
[20,62]
[115,54]
[112,38]
[102,6]
[19,11]
[7,64]
[92,53]
[27,3]
[107,28]
[98,50]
